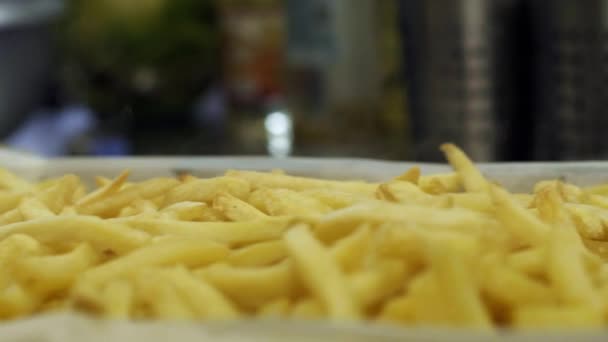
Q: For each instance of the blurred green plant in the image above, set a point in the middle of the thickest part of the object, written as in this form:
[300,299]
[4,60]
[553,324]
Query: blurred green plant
[151,56]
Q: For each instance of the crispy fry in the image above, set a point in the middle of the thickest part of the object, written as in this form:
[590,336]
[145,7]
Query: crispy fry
[320,273]
[205,190]
[111,205]
[65,231]
[236,209]
[259,254]
[472,179]
[263,284]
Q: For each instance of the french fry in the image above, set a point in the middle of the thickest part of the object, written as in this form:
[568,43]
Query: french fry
[12,182]
[32,208]
[263,284]
[205,190]
[111,205]
[186,251]
[440,183]
[423,302]
[566,270]
[412,175]
[266,180]
[60,194]
[335,199]
[259,254]
[11,216]
[158,297]
[233,233]
[186,211]
[285,202]
[458,288]
[514,288]
[522,224]
[16,302]
[45,275]
[118,299]
[65,231]
[320,273]
[472,179]
[236,209]
[9,200]
[371,287]
[341,222]
[349,252]
[107,189]
[205,301]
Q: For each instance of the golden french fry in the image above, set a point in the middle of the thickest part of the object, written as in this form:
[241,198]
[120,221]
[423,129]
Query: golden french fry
[566,269]
[341,222]
[423,302]
[9,201]
[459,290]
[268,180]
[350,251]
[159,298]
[530,261]
[110,206]
[591,222]
[205,190]
[285,202]
[514,288]
[117,298]
[107,189]
[205,300]
[236,209]
[233,233]
[440,183]
[412,175]
[12,182]
[408,193]
[370,287]
[32,208]
[522,224]
[16,302]
[189,211]
[321,275]
[11,216]
[60,194]
[472,179]
[259,254]
[336,199]
[252,287]
[62,231]
[186,251]
[46,275]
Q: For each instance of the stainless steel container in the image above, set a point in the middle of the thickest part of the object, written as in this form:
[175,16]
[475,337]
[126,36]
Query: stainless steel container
[460,75]
[571,79]
[25,44]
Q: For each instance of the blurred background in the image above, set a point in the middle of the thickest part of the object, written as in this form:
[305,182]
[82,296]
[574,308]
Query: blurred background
[508,80]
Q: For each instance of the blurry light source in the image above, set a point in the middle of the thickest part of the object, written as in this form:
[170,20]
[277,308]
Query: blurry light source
[279,133]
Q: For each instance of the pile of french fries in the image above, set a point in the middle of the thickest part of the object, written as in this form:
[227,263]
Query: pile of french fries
[450,249]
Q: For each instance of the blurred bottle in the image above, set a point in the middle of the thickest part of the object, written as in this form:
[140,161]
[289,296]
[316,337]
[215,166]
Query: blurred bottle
[253,54]
[461,63]
[571,76]
[342,78]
